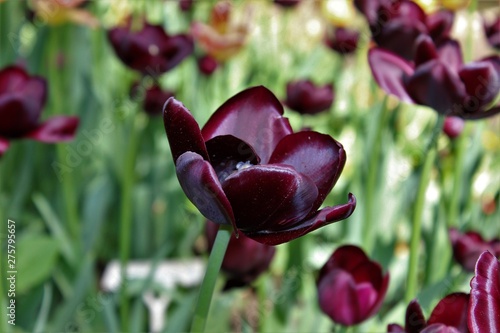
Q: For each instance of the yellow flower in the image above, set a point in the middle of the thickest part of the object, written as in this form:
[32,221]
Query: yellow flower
[454,4]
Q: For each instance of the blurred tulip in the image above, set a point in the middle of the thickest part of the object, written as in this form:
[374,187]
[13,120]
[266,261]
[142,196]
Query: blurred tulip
[484,307]
[220,38]
[492,32]
[351,287]
[454,4]
[287,3]
[154,98]
[453,126]
[22,98]
[396,25]
[449,316]
[149,50]
[343,41]
[56,12]
[245,259]
[306,98]
[207,64]
[186,5]
[469,245]
[437,78]
[248,169]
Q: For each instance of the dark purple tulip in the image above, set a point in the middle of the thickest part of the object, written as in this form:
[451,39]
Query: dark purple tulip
[207,64]
[439,25]
[453,126]
[22,98]
[484,305]
[149,50]
[154,98]
[343,41]
[287,3]
[449,315]
[469,245]
[186,5]
[492,32]
[351,287]
[245,259]
[437,78]
[247,168]
[306,98]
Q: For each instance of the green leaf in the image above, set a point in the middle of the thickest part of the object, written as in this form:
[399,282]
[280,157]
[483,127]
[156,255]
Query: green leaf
[36,258]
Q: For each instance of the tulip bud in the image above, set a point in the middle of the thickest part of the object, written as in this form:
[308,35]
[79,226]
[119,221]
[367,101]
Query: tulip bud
[453,126]
[207,64]
[469,245]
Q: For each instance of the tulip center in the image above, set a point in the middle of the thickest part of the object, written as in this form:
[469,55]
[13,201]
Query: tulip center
[243,165]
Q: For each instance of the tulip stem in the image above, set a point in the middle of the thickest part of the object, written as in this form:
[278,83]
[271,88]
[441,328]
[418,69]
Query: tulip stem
[429,157]
[454,206]
[208,284]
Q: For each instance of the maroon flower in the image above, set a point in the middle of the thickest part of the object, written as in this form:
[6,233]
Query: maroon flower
[453,126]
[492,32]
[468,246]
[207,64]
[351,287]
[484,305]
[287,3]
[149,50]
[154,98]
[245,259]
[306,98]
[186,5]
[22,98]
[449,316]
[247,168]
[395,25]
[437,78]
[342,40]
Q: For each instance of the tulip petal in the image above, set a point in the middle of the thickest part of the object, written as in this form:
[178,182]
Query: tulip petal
[199,181]
[269,197]
[56,129]
[16,116]
[440,328]
[482,82]
[450,53]
[322,218]
[451,311]
[481,114]
[4,145]
[395,328]
[346,257]
[398,35]
[315,155]
[425,50]
[389,70]
[182,130]
[439,24]
[254,116]
[433,84]
[484,304]
[414,318]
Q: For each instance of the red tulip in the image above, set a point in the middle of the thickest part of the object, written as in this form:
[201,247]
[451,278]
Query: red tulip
[492,32]
[449,316]
[22,98]
[468,246]
[343,41]
[484,306]
[306,98]
[247,168]
[437,78]
[207,64]
[351,287]
[154,98]
[453,126]
[149,50]
[245,259]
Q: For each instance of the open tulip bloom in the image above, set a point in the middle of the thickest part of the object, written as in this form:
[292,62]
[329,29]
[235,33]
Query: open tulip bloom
[438,78]
[246,168]
[22,98]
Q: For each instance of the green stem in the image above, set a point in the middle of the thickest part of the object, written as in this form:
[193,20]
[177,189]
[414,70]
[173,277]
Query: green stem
[453,211]
[208,284]
[126,206]
[430,156]
[69,194]
[373,171]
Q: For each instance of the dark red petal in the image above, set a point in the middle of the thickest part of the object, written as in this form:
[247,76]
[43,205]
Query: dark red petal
[435,85]
[395,328]
[305,97]
[4,145]
[484,304]
[453,126]
[16,116]
[346,257]
[315,155]
[337,296]
[482,114]
[414,318]
[56,129]
[425,50]
[12,79]
[269,197]
[200,183]
[254,116]
[482,82]
[440,328]
[398,35]
[439,24]
[451,311]
[389,70]
[322,218]
[450,54]
[183,132]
